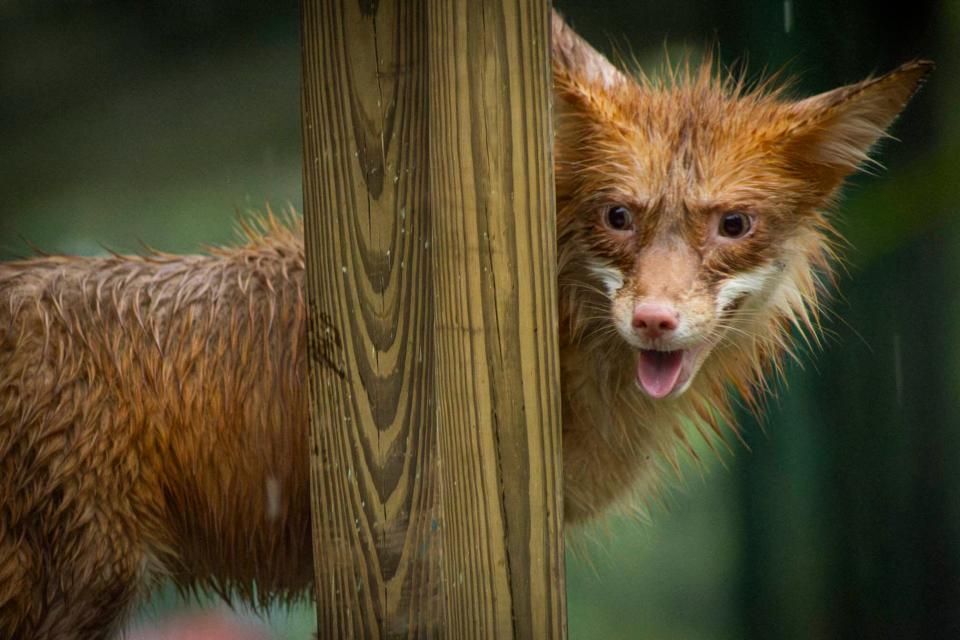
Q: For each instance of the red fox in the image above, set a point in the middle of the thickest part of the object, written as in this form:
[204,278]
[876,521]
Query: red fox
[151,407]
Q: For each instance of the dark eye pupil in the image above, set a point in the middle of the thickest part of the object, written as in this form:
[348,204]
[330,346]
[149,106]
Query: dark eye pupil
[618,218]
[734,225]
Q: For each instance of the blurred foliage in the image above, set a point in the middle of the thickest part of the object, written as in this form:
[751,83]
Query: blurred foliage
[156,121]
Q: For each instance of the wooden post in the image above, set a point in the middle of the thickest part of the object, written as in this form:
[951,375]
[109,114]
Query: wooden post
[434,380]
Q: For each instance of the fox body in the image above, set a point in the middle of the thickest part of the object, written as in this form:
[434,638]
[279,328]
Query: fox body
[152,413]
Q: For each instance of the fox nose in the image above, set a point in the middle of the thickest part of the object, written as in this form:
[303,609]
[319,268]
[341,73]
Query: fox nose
[655,320]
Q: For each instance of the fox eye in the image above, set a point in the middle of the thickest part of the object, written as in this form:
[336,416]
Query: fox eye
[619,218]
[735,224]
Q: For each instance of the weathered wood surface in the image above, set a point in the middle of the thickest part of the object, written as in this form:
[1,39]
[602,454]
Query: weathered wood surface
[434,382]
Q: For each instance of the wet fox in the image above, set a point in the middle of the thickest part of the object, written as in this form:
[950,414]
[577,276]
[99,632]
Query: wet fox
[152,407]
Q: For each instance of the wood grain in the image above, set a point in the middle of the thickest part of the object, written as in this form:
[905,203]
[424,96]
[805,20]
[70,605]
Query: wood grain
[434,381]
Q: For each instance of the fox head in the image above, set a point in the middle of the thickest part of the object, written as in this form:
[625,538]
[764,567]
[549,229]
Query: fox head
[691,214]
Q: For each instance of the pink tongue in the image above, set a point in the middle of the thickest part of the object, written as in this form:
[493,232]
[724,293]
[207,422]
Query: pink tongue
[658,371]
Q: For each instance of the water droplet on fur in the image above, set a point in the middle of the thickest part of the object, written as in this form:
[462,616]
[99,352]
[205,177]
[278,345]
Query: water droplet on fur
[273,498]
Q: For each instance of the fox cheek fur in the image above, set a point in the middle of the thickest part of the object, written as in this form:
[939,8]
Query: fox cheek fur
[152,417]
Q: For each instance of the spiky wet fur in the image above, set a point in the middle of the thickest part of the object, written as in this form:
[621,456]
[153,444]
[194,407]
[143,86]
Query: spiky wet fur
[152,416]
[615,436]
[693,130]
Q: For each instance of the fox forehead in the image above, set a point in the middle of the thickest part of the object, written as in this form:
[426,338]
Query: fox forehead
[687,147]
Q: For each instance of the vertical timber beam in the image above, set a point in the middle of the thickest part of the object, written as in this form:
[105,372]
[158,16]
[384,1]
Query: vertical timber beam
[431,288]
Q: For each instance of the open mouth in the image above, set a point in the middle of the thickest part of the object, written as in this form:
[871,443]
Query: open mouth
[660,373]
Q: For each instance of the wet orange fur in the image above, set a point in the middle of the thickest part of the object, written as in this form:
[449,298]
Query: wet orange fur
[152,416]
[152,424]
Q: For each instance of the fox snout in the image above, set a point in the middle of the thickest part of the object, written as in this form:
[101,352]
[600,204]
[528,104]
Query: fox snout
[661,303]
[655,320]
[669,340]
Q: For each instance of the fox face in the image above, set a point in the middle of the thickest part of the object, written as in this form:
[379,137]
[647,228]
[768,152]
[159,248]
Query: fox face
[691,214]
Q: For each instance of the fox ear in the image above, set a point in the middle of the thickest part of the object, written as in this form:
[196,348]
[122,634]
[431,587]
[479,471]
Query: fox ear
[834,131]
[578,67]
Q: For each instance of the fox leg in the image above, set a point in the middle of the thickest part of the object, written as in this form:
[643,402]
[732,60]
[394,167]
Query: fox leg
[21,592]
[74,587]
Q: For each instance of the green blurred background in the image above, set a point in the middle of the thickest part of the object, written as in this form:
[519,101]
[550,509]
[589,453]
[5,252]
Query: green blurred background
[159,121]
